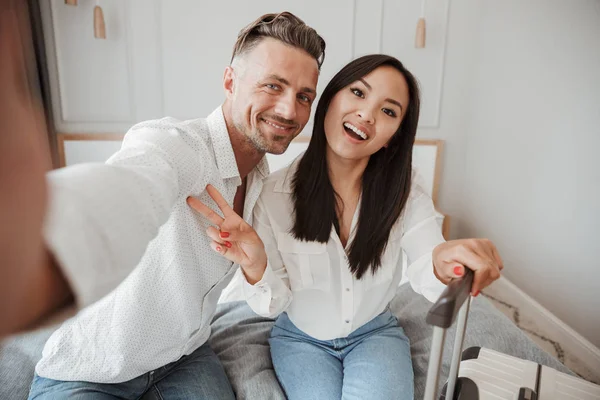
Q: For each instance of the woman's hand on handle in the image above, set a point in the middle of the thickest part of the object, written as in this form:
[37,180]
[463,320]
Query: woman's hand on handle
[480,255]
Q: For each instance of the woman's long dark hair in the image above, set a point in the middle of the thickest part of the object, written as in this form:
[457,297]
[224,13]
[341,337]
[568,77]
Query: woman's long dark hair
[386,181]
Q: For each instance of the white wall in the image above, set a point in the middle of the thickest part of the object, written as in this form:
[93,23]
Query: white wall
[532,164]
[167,57]
[511,86]
[460,62]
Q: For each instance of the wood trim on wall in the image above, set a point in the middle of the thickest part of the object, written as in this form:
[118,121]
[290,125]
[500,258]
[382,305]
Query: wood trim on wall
[42,76]
[438,164]
[436,179]
[421,142]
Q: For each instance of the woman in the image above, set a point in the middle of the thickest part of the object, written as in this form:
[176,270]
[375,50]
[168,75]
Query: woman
[333,227]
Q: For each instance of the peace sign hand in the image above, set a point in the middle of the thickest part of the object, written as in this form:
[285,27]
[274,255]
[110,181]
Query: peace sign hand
[235,239]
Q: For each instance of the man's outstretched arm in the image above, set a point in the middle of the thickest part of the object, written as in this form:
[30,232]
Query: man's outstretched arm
[77,232]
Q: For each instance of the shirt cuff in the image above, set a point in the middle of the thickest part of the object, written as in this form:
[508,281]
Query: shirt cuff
[260,294]
[423,280]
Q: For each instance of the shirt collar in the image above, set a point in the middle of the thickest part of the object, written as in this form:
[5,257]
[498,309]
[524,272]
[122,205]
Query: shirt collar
[222,145]
[263,167]
[284,183]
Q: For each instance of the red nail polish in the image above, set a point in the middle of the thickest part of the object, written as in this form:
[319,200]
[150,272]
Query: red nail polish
[218,248]
[228,244]
[476,293]
[458,270]
[224,234]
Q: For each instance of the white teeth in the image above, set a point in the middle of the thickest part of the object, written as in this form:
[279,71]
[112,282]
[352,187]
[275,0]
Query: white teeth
[356,130]
[274,125]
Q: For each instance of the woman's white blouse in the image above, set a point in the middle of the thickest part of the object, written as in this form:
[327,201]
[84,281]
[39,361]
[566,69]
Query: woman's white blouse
[312,281]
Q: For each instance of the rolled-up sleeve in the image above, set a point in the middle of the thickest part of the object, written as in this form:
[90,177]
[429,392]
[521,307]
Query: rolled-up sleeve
[422,227]
[101,217]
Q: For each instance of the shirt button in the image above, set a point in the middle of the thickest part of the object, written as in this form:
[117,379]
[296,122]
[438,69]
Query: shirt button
[347,289]
[347,321]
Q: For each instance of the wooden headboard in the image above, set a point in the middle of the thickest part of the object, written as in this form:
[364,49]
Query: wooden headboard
[426,156]
[74,148]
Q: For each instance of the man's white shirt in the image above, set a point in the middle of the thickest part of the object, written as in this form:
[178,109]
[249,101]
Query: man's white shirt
[144,306]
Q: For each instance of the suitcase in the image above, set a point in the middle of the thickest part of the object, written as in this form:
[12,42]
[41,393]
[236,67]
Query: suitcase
[484,374]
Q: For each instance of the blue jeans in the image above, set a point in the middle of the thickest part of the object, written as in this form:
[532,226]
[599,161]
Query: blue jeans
[373,362]
[199,375]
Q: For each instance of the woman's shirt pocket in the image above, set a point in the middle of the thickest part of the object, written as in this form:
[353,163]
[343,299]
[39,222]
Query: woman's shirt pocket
[307,263]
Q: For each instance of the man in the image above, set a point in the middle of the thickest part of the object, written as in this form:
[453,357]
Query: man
[146,322]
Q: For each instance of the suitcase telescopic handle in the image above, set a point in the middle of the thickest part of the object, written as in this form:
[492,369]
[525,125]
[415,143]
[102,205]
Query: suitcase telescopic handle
[454,302]
[443,313]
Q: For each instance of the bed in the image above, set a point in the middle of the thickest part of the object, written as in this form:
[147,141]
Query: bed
[239,337]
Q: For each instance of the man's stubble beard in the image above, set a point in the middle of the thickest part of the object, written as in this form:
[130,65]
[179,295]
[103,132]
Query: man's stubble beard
[257,140]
